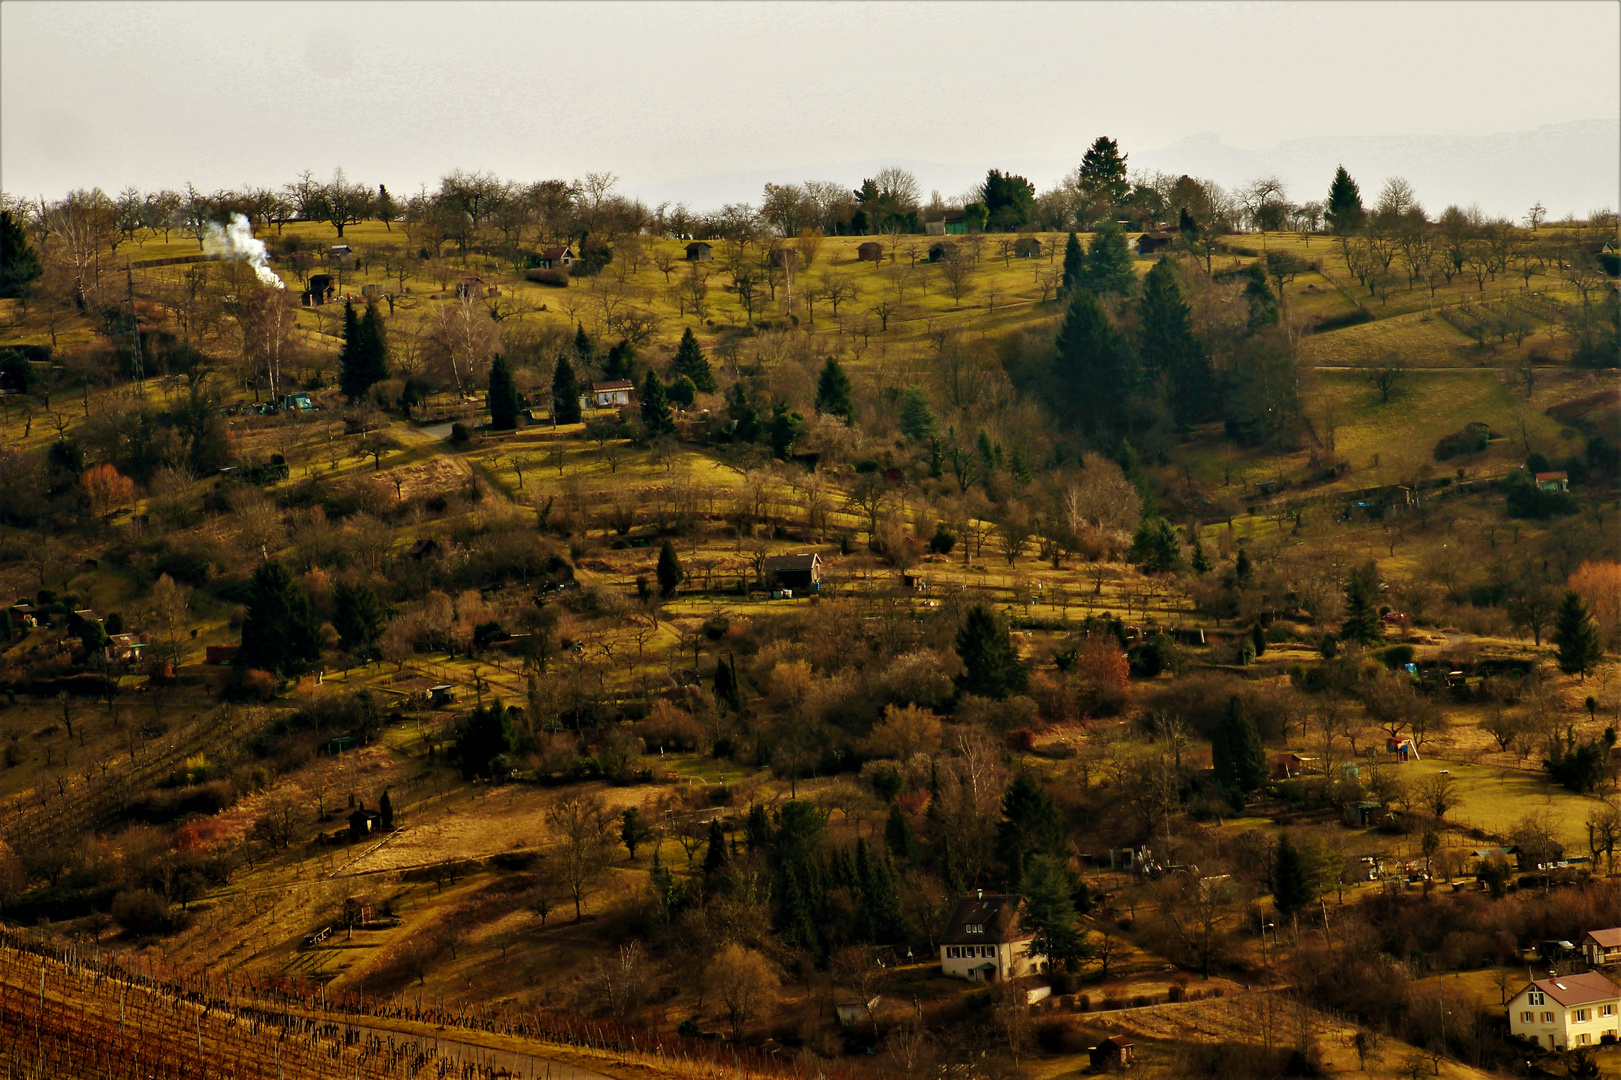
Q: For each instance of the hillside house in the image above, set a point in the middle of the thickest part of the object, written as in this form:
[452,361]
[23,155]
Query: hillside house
[1115,1052]
[557,257]
[363,822]
[1566,1012]
[425,548]
[984,942]
[871,251]
[801,573]
[471,287]
[1152,243]
[1552,481]
[1288,765]
[1601,947]
[340,255]
[698,251]
[1027,247]
[613,394]
[951,223]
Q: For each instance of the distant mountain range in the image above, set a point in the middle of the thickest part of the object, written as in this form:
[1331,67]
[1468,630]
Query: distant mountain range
[1571,168]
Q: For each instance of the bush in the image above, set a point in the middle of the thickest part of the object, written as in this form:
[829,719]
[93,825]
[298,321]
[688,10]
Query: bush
[1471,440]
[557,279]
[459,434]
[1324,323]
[1397,656]
[142,913]
[1526,501]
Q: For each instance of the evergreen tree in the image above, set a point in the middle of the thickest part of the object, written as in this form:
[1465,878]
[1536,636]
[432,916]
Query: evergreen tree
[1009,200]
[1095,372]
[917,418]
[1344,209]
[715,854]
[833,391]
[1103,173]
[1108,262]
[357,616]
[1235,750]
[353,361]
[786,428]
[374,345]
[1074,265]
[485,741]
[1576,634]
[1361,617]
[691,362]
[991,665]
[757,829]
[1049,909]
[1030,826]
[385,812]
[621,363]
[1243,569]
[878,909]
[565,393]
[1291,886]
[19,265]
[1262,301]
[1200,561]
[584,347]
[1258,639]
[280,632]
[503,396]
[669,571]
[899,837]
[655,406]
[740,409]
[1172,357]
[726,689]
[1156,547]
[632,831]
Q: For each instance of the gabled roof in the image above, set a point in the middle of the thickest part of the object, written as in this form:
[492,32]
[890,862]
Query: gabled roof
[986,919]
[1572,990]
[1609,938]
[775,563]
[616,384]
[556,251]
[698,244]
[1560,475]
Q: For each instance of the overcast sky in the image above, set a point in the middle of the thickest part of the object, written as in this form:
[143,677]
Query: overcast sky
[701,100]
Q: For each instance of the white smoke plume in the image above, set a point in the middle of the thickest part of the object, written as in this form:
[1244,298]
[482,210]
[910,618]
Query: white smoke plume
[236,241]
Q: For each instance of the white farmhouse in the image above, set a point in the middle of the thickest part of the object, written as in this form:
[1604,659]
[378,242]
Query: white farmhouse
[985,943]
[1566,1012]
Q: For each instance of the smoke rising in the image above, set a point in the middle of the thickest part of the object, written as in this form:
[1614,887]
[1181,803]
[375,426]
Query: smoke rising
[236,241]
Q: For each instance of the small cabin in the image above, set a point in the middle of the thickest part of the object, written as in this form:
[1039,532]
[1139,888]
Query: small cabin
[341,254]
[322,290]
[1289,765]
[1027,247]
[363,823]
[425,548]
[942,251]
[801,573]
[1553,481]
[474,288]
[1115,1052]
[441,695]
[698,251]
[1152,243]
[872,251]
[557,257]
[612,395]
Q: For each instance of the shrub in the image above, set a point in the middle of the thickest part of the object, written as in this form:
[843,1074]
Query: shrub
[1471,440]
[557,279]
[142,913]
[1324,323]
[459,434]
[1397,656]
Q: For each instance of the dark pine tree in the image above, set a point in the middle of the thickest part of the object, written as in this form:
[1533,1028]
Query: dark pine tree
[486,740]
[1108,262]
[669,570]
[899,837]
[1343,211]
[655,406]
[833,391]
[1262,301]
[1235,750]
[715,854]
[503,396]
[1576,634]
[726,689]
[19,265]
[352,358]
[784,430]
[385,811]
[565,392]
[1030,826]
[691,362]
[1049,909]
[1291,887]
[621,362]
[991,665]
[1103,173]
[280,633]
[357,616]
[1243,568]
[1361,617]
[584,347]
[1074,264]
[374,345]
[1174,362]
[1094,369]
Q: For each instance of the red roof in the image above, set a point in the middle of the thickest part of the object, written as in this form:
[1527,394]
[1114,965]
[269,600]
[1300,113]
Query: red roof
[1561,475]
[617,384]
[1583,989]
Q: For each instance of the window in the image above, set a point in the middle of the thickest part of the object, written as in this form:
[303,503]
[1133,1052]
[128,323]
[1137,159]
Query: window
[1547,1018]
[1535,998]
[1581,1016]
[1584,1039]
[1606,1010]
[951,952]
[1525,1017]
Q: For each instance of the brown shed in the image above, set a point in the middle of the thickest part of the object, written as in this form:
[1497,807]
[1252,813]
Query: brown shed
[1027,247]
[1153,242]
[1114,1052]
[698,251]
[871,251]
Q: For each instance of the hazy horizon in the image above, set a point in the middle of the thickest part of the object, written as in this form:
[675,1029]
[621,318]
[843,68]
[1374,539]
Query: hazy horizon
[689,101]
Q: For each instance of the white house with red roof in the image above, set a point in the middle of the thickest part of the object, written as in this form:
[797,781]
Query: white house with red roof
[1567,1011]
